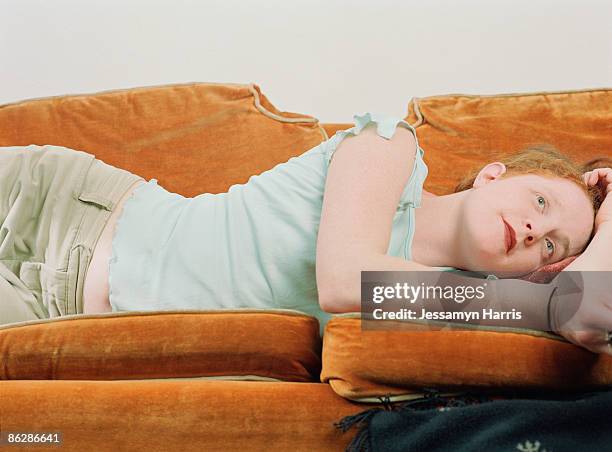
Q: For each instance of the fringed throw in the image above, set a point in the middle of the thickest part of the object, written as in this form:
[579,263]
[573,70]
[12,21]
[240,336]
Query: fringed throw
[474,421]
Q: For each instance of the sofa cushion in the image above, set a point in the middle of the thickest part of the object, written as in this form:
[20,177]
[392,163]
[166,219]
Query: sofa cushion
[407,357]
[238,344]
[460,132]
[193,138]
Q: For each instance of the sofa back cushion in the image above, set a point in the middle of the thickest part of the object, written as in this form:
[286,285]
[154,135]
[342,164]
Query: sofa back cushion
[461,132]
[193,138]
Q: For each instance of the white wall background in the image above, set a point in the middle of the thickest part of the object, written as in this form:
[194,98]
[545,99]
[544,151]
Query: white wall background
[330,59]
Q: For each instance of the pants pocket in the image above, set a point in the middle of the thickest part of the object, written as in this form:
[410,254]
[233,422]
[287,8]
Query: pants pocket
[102,202]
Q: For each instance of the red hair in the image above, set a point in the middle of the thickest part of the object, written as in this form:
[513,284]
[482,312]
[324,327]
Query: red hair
[546,160]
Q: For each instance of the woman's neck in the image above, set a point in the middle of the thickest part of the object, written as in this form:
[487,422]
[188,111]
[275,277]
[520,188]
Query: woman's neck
[437,233]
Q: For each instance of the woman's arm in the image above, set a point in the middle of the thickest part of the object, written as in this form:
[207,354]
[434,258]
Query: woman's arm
[500,295]
[364,183]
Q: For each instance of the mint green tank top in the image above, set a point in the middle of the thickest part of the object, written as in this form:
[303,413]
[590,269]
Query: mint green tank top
[251,247]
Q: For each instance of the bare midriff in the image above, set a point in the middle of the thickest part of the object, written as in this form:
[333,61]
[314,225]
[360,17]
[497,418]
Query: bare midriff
[96,288]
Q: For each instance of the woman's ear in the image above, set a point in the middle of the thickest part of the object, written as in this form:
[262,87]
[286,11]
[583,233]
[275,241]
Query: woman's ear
[489,173]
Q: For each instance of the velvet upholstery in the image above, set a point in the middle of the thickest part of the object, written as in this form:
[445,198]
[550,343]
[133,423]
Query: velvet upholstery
[406,357]
[128,381]
[178,415]
[472,129]
[281,345]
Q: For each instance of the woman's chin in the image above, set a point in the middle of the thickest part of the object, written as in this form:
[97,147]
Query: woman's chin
[510,275]
[490,258]
[493,265]
[507,272]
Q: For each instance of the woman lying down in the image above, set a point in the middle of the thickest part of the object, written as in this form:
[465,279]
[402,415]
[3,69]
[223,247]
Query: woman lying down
[80,236]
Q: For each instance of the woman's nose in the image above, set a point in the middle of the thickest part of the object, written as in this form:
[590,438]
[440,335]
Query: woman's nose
[531,235]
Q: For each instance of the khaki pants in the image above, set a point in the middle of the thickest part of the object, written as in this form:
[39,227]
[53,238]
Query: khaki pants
[54,203]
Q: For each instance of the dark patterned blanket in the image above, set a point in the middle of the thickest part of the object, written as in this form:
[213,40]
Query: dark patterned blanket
[477,422]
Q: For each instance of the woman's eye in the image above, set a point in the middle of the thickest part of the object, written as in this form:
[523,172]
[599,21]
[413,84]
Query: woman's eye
[543,201]
[551,249]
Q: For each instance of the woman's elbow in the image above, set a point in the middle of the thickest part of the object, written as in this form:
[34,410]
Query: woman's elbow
[328,298]
[333,298]
[338,282]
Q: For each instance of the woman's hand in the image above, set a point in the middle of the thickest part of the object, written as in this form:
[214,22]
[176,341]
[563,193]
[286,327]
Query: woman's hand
[581,309]
[603,178]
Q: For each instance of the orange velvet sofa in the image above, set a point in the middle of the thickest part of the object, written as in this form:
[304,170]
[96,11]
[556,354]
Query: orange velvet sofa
[251,379]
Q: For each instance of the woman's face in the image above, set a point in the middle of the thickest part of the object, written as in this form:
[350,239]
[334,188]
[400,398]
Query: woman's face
[552,218]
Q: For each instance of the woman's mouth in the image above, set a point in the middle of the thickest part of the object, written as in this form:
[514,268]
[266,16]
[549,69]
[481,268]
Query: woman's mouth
[509,236]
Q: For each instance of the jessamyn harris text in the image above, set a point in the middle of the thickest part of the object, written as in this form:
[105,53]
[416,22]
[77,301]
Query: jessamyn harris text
[467,316]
